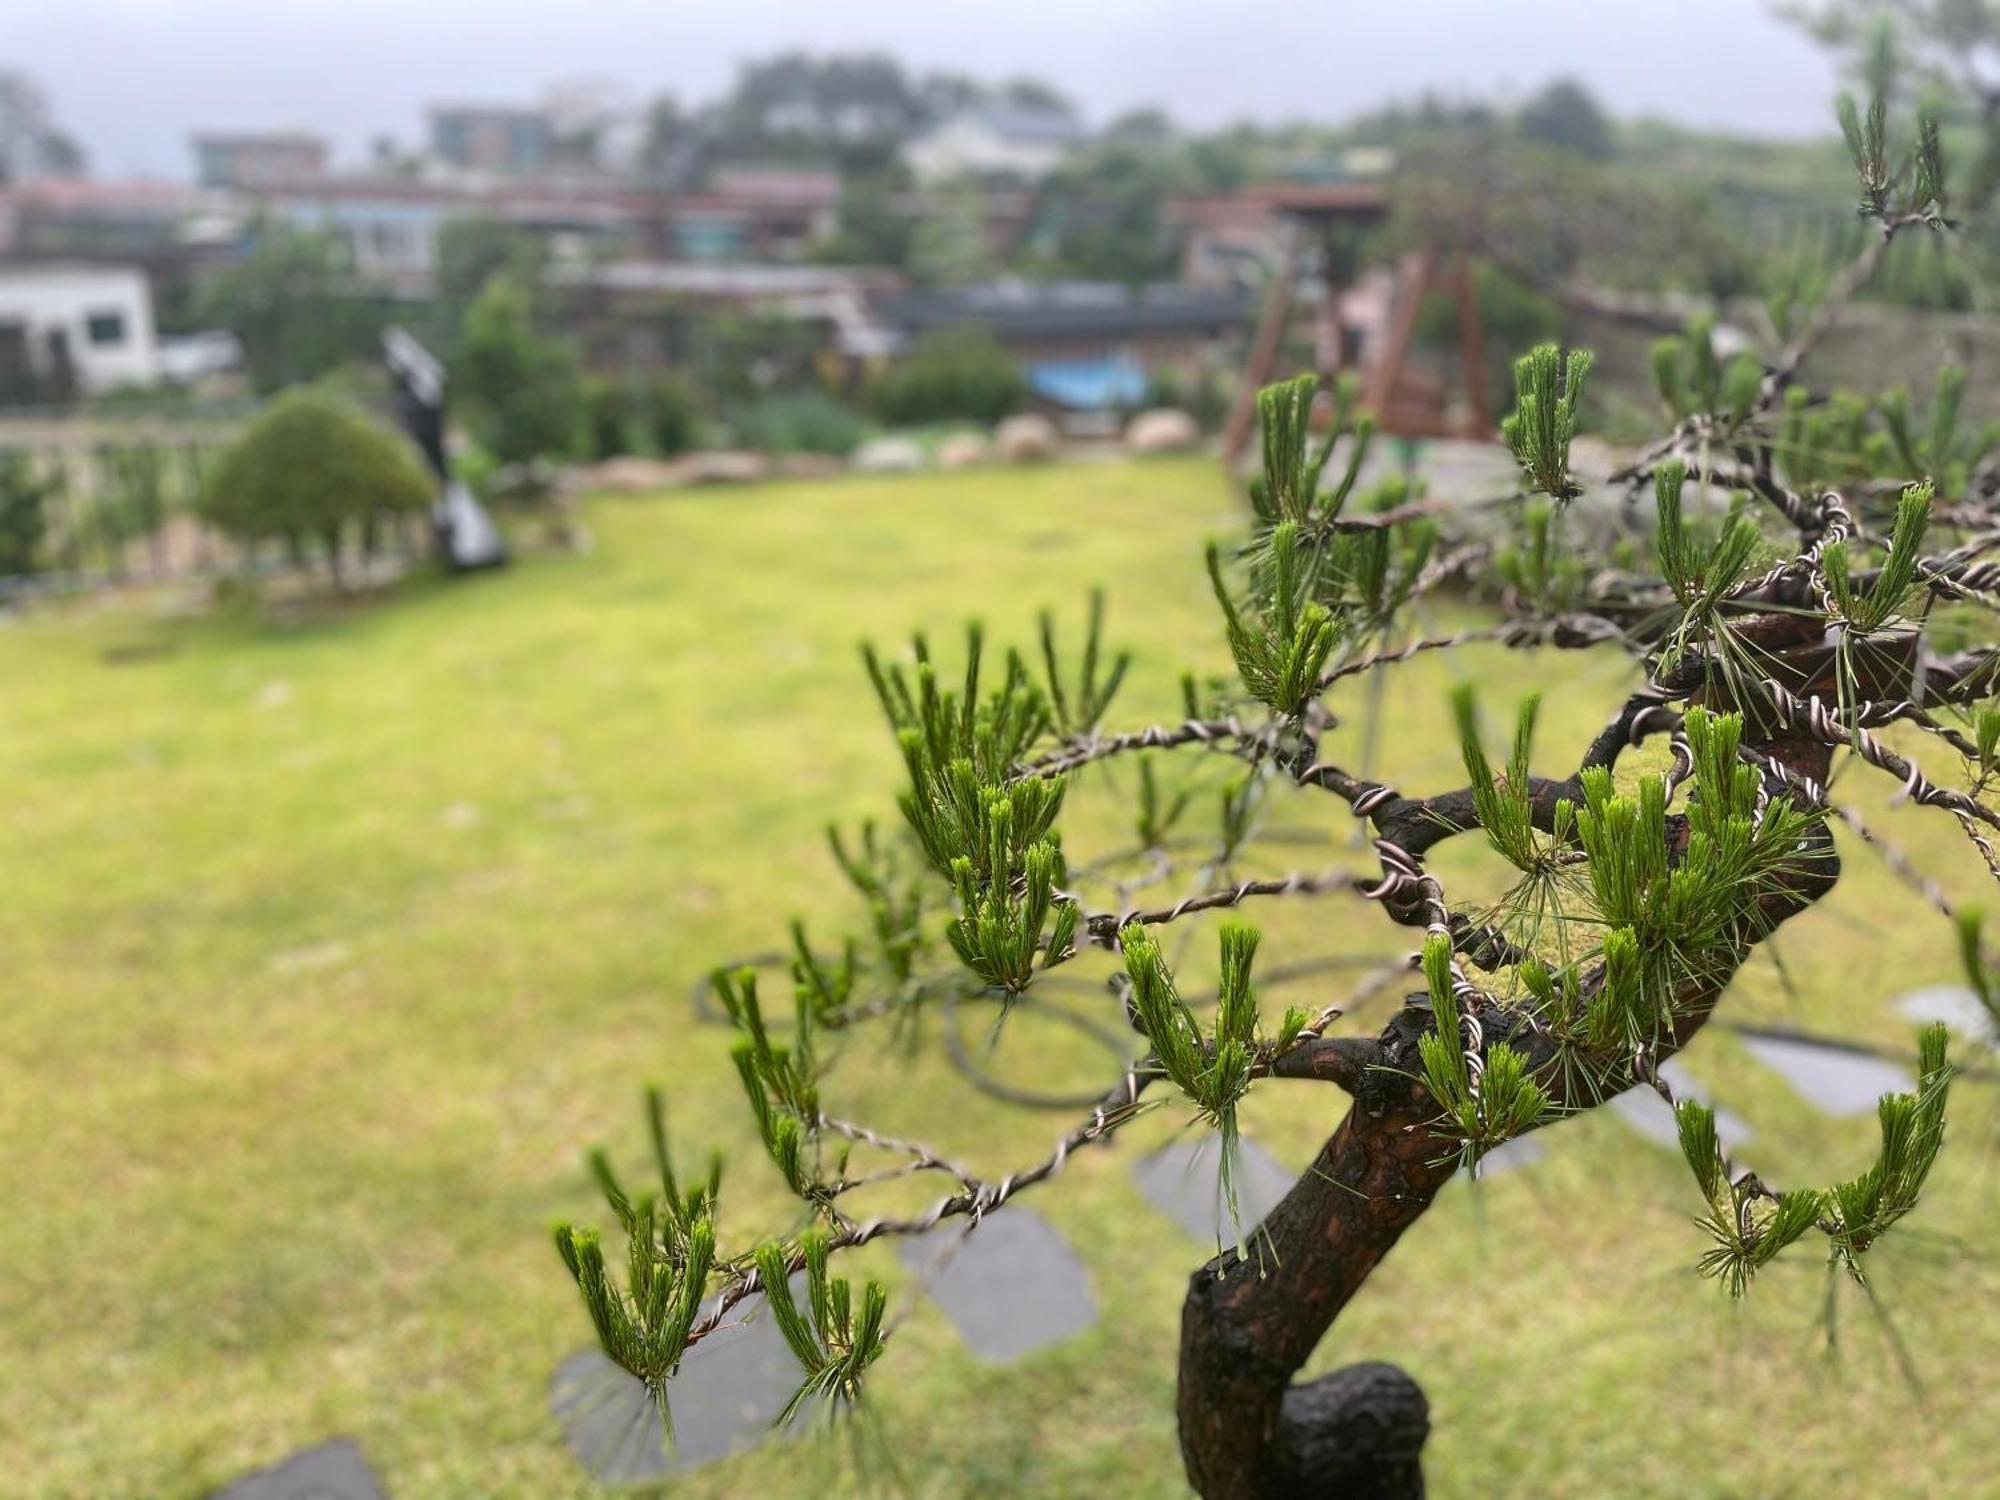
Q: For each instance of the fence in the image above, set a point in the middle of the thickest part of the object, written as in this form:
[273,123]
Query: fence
[97,498]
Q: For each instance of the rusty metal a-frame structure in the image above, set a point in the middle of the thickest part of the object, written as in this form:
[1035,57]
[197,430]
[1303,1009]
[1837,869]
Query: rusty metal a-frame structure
[1323,219]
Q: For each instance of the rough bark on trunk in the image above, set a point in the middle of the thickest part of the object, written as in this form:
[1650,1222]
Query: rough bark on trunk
[1249,1324]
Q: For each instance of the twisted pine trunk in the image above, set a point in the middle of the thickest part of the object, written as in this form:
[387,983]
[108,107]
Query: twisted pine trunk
[1247,1432]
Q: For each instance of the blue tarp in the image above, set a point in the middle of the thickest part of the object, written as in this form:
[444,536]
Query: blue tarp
[1089,384]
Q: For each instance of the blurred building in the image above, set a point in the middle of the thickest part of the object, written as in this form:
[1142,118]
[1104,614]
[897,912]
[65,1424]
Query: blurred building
[170,231]
[252,159]
[753,214]
[69,328]
[994,140]
[644,316]
[492,137]
[393,225]
[1251,235]
[1085,345]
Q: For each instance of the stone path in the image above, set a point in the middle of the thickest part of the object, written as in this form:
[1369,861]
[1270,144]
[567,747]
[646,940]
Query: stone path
[1011,1287]
[334,1470]
[1181,1181]
[1645,1111]
[1834,1080]
[1953,1004]
[1015,1286]
[728,1392]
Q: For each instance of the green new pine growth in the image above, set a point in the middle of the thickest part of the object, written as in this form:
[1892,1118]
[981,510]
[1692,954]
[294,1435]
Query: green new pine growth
[1157,813]
[1002,925]
[1280,654]
[1700,572]
[1077,709]
[1503,1100]
[1864,1209]
[1505,805]
[1241,796]
[1985,983]
[1705,368]
[1986,737]
[1945,455]
[1214,1071]
[833,1341]
[1747,1228]
[823,988]
[1554,996]
[1826,445]
[780,1083]
[1547,394]
[1929,195]
[1288,488]
[1890,591]
[1668,359]
[1622,1012]
[1367,576]
[959,747]
[1894,408]
[670,1248]
[951,813]
[1742,384]
[1947,401]
[1867,144]
[895,905]
[1687,917]
[1539,571]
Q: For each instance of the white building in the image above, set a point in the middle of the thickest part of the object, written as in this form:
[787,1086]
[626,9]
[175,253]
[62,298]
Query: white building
[996,141]
[69,327]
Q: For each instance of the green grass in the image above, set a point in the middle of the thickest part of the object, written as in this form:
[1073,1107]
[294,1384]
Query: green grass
[326,949]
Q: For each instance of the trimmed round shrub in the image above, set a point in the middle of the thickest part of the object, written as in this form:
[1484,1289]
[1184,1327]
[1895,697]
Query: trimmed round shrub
[310,465]
[953,375]
[799,422]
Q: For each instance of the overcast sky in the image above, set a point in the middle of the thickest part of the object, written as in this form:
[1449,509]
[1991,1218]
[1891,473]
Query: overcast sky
[134,77]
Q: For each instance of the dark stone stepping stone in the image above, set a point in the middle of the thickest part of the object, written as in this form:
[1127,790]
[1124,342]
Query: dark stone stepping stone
[1010,1287]
[1182,1182]
[1953,1004]
[725,1397]
[333,1471]
[1834,1080]
[1645,1111]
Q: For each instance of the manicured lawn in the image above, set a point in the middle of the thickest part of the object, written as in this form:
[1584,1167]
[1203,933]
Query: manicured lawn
[325,950]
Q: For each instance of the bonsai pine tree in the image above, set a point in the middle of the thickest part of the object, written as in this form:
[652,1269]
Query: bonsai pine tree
[1768,642]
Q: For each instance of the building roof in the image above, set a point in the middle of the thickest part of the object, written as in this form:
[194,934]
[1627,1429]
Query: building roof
[1259,204]
[303,139]
[72,270]
[490,111]
[1039,127]
[90,195]
[728,279]
[1077,308]
[779,185]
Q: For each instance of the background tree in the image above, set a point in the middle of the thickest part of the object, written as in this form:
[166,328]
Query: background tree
[1771,645]
[314,466]
[23,515]
[1567,116]
[296,306]
[950,246]
[1952,45]
[471,252]
[952,375]
[32,144]
[521,392]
